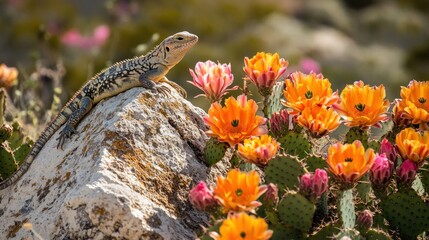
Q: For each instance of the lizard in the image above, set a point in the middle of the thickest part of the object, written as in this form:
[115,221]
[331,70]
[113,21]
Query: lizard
[145,71]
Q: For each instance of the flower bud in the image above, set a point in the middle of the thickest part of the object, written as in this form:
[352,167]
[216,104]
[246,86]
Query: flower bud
[406,173]
[279,123]
[381,171]
[271,196]
[389,149]
[305,184]
[364,220]
[5,132]
[201,197]
[319,183]
[314,185]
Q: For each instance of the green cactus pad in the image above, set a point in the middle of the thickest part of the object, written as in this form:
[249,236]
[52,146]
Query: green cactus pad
[274,100]
[380,222]
[326,232]
[374,145]
[22,152]
[407,212]
[296,211]
[355,133]
[424,176]
[17,137]
[351,233]
[346,208]
[7,163]
[313,162]
[284,171]
[377,234]
[214,151]
[295,144]
[282,233]
[363,188]
[322,208]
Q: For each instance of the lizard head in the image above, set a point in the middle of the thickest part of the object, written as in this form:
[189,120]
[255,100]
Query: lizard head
[175,47]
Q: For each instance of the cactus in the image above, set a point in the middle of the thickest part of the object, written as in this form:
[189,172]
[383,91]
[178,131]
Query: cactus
[377,234]
[296,211]
[363,188]
[374,145]
[346,208]
[350,233]
[214,151]
[407,212]
[322,208]
[296,144]
[312,162]
[355,133]
[7,162]
[326,232]
[424,176]
[274,103]
[284,171]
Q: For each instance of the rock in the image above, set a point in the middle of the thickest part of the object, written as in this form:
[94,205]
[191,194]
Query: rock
[126,175]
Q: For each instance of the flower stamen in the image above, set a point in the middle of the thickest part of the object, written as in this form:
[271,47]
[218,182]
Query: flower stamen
[239,192]
[360,107]
[348,160]
[235,122]
[309,94]
[422,100]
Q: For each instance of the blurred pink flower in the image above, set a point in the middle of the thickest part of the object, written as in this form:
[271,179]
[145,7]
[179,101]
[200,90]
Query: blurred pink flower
[201,197]
[381,171]
[213,79]
[314,185]
[406,173]
[74,38]
[309,65]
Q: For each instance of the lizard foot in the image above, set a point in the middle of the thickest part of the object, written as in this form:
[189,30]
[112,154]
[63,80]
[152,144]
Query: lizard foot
[163,90]
[64,134]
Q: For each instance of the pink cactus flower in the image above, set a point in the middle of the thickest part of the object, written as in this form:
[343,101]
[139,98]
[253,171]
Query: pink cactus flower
[213,79]
[364,220]
[201,197]
[271,196]
[406,173]
[73,38]
[381,171]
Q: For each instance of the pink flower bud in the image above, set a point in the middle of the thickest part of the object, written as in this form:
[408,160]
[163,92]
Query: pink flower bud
[314,185]
[272,194]
[406,173]
[305,184]
[319,183]
[201,197]
[279,123]
[389,149]
[381,171]
[364,220]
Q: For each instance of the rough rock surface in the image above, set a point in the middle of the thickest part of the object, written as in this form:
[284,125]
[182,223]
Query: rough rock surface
[126,175]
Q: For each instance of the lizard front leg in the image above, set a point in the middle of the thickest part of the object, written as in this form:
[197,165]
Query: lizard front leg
[175,86]
[69,127]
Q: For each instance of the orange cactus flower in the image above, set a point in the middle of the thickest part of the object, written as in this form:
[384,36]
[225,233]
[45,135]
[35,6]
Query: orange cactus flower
[264,69]
[258,150]
[213,79]
[319,120]
[415,101]
[8,76]
[412,145]
[243,226]
[239,191]
[305,90]
[236,121]
[362,105]
[349,162]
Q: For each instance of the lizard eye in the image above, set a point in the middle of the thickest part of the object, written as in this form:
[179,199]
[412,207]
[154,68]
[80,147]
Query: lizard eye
[167,48]
[179,38]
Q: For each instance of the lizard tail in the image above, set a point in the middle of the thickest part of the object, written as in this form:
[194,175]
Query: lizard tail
[52,127]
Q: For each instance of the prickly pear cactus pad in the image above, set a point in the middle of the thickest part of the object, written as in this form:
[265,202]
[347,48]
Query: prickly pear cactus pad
[407,212]
[7,163]
[355,133]
[346,208]
[377,234]
[296,211]
[274,100]
[312,162]
[296,144]
[284,171]
[214,151]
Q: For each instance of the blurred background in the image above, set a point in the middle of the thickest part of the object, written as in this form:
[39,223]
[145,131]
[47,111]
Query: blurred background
[59,45]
